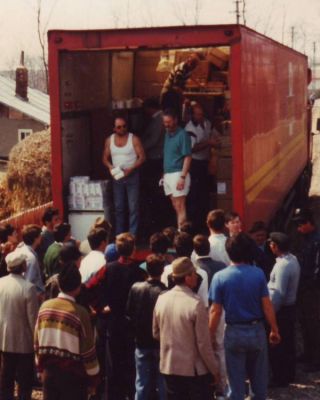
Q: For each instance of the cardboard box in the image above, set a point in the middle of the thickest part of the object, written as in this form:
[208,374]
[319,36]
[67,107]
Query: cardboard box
[218,58]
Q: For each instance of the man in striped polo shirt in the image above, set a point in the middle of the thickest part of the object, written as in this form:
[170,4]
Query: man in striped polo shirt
[64,345]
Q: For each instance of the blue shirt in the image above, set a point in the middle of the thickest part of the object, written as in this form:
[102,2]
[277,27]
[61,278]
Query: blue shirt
[284,281]
[177,146]
[32,273]
[239,289]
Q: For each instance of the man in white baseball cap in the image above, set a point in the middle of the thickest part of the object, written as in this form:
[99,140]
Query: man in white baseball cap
[18,298]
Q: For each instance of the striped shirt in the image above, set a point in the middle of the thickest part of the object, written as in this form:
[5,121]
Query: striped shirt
[177,77]
[64,336]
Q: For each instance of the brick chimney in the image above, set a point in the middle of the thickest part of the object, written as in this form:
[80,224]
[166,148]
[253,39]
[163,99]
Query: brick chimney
[22,80]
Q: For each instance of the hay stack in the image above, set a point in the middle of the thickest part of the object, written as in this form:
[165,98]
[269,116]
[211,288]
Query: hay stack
[29,172]
[5,208]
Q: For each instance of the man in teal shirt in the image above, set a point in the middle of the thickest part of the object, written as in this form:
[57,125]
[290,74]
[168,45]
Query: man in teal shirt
[176,164]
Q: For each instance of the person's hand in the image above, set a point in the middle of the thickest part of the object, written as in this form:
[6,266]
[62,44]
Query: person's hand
[274,338]
[106,310]
[180,184]
[127,171]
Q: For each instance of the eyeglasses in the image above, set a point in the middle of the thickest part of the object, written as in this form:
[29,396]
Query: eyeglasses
[120,126]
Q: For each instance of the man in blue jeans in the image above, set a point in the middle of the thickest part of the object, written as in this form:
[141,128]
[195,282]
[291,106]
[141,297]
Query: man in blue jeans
[140,305]
[241,290]
[123,155]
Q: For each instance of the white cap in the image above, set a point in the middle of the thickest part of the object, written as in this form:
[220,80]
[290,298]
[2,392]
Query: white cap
[14,259]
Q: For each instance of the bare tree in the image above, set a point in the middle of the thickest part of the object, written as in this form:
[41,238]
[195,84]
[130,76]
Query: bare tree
[180,11]
[42,27]
[197,10]
[283,27]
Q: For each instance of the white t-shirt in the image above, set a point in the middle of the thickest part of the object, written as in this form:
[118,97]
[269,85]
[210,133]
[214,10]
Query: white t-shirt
[91,264]
[202,133]
[218,248]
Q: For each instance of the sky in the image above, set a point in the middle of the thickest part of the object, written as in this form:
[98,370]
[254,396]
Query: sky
[275,18]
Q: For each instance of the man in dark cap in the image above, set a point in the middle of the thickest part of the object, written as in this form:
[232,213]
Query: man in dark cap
[18,314]
[64,344]
[283,287]
[259,234]
[307,251]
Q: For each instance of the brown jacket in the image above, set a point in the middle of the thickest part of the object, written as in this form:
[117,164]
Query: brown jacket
[180,322]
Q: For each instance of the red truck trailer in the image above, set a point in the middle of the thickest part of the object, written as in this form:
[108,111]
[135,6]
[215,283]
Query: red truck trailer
[253,89]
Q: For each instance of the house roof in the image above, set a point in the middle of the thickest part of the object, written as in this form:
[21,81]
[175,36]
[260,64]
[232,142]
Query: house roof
[37,107]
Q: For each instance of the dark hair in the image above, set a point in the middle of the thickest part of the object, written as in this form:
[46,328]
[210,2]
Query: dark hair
[170,233]
[158,243]
[119,117]
[230,216]
[125,244]
[49,213]
[201,245]
[239,248]
[258,226]
[69,253]
[69,278]
[96,237]
[61,231]
[152,102]
[170,112]
[155,265]
[183,244]
[188,227]
[6,231]
[30,233]
[216,220]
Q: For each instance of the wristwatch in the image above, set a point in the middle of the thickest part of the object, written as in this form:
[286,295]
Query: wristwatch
[183,177]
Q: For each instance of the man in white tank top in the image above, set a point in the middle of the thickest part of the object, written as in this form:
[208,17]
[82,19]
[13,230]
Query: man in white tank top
[123,155]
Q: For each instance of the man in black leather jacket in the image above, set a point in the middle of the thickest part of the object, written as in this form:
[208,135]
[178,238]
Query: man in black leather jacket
[141,301]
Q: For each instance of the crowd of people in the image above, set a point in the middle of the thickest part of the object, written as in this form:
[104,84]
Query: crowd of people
[196,318]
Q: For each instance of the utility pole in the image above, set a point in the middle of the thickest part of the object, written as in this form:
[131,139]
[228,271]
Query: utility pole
[244,12]
[314,65]
[292,36]
[238,11]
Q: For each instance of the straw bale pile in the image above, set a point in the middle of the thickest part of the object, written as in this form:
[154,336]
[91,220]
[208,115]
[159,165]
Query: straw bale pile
[5,208]
[29,172]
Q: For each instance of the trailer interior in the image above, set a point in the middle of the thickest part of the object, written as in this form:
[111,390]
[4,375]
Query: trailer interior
[97,85]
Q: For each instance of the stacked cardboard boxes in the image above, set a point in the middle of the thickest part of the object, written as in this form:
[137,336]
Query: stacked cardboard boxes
[85,194]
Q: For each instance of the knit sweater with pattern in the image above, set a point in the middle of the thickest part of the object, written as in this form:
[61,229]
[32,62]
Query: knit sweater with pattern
[64,337]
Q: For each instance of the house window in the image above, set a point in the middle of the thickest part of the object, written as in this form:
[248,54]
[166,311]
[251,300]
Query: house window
[23,133]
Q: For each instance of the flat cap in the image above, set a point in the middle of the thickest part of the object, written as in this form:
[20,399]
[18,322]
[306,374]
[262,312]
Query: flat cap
[301,216]
[280,238]
[14,259]
[181,267]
